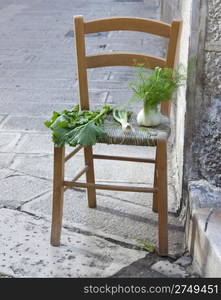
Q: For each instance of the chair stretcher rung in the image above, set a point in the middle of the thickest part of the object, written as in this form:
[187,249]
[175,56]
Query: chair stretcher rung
[78,175]
[110,187]
[78,148]
[125,158]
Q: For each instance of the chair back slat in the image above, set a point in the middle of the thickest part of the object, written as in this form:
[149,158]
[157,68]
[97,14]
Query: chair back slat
[125,23]
[124,59]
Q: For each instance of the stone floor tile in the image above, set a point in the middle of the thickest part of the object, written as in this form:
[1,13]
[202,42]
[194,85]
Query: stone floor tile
[8,141]
[19,188]
[25,251]
[168,269]
[184,261]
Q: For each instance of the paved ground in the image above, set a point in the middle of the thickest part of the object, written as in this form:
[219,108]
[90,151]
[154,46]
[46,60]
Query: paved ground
[38,76]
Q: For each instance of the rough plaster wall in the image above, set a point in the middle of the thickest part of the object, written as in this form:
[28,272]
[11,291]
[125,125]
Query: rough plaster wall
[181,96]
[171,10]
[202,147]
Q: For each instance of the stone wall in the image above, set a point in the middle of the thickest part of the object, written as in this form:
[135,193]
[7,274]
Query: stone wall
[177,9]
[210,129]
[202,162]
[202,134]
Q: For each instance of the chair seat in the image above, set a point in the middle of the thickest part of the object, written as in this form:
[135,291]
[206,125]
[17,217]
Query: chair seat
[140,136]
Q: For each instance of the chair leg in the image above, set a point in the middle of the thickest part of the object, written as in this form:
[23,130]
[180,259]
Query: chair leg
[91,191]
[155,203]
[161,197]
[58,195]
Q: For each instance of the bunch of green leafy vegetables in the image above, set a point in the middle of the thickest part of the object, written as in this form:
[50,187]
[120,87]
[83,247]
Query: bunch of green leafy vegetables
[157,86]
[78,126]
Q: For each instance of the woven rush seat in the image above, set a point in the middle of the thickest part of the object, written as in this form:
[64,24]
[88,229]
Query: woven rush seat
[140,136]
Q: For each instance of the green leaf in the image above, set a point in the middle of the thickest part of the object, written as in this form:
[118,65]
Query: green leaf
[59,136]
[77,127]
[47,123]
[55,115]
[86,135]
[61,121]
[157,86]
[146,245]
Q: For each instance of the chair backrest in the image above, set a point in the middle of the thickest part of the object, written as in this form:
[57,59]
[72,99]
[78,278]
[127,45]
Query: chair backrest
[170,31]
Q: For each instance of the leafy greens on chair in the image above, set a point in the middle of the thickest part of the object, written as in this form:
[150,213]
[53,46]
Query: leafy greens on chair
[78,126]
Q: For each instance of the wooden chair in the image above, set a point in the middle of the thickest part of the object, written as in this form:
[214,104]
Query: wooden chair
[159,190]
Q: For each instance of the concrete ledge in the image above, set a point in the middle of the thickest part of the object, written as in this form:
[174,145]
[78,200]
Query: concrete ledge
[205,246]
[203,227]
